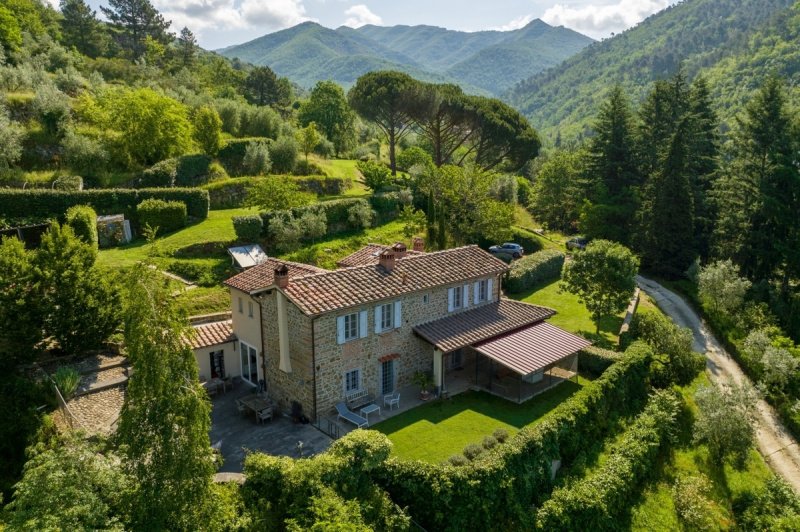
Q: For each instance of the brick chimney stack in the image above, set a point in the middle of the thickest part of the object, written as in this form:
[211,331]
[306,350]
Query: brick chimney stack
[282,276]
[399,250]
[419,245]
[387,260]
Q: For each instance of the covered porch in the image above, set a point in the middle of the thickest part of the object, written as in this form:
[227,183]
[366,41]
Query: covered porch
[506,349]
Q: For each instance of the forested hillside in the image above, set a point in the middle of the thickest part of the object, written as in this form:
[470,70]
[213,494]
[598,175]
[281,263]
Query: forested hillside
[481,62]
[696,34]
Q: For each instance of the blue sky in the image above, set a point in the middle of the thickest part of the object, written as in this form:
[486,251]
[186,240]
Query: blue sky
[220,23]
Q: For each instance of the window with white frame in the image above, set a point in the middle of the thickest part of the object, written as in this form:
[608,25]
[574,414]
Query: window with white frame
[352,380]
[250,309]
[387,316]
[483,290]
[351,326]
[458,297]
[241,306]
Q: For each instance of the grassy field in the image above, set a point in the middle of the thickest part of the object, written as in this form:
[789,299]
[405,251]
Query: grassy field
[435,431]
[572,314]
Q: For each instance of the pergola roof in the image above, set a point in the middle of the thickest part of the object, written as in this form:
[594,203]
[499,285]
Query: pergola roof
[532,348]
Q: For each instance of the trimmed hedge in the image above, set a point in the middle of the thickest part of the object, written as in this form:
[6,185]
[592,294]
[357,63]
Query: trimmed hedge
[185,171]
[166,215]
[597,501]
[231,193]
[248,228]
[528,240]
[496,490]
[44,204]
[534,270]
[595,360]
[83,221]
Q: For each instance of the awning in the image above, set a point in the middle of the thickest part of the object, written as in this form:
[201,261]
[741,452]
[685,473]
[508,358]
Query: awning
[532,348]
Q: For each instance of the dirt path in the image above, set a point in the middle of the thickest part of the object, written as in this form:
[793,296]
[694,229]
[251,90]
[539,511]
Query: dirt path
[778,447]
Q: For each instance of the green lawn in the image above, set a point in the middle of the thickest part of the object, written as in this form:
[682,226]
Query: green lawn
[435,431]
[572,314]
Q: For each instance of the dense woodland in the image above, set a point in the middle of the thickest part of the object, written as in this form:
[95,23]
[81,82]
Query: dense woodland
[697,187]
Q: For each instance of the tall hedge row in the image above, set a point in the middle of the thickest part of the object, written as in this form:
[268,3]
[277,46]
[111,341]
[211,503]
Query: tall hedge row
[497,490]
[44,204]
[597,501]
[595,360]
[533,270]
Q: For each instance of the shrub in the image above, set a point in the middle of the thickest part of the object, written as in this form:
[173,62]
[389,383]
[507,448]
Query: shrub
[313,223]
[725,421]
[67,380]
[489,442]
[677,363]
[285,231]
[501,435]
[389,204]
[458,460]
[414,156]
[161,174]
[84,155]
[68,182]
[325,148]
[472,451]
[524,191]
[192,170]
[595,360]
[166,215]
[534,270]
[284,154]
[200,273]
[256,159]
[207,129]
[248,228]
[528,240]
[52,108]
[360,215]
[231,155]
[691,501]
[305,168]
[11,137]
[83,221]
[259,121]
[377,176]
[337,214]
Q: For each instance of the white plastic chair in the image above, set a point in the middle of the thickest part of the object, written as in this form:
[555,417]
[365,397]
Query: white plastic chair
[392,400]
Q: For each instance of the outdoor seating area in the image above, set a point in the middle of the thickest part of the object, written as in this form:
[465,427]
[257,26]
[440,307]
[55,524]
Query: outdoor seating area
[214,385]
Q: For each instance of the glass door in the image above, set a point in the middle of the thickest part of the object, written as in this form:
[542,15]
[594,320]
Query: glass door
[387,377]
[249,362]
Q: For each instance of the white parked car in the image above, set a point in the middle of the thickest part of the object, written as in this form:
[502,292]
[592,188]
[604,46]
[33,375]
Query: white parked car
[508,248]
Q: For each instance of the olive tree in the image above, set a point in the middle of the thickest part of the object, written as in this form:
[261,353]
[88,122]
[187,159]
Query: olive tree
[721,287]
[603,276]
[725,421]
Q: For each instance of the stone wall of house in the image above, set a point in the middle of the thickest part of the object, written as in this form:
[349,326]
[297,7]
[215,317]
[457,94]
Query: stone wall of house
[298,385]
[415,354]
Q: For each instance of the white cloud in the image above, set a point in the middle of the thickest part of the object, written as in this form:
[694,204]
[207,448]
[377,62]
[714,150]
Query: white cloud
[273,14]
[360,15]
[517,23]
[601,20]
[199,15]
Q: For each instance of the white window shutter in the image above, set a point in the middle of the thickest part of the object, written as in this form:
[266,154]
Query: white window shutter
[465,296]
[450,295]
[398,320]
[340,329]
[476,291]
[489,290]
[362,325]
[378,318]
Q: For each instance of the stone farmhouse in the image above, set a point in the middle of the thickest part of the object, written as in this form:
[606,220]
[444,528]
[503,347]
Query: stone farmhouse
[321,337]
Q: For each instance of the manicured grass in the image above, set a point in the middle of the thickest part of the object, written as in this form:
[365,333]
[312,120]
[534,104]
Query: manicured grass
[204,300]
[433,432]
[216,228]
[572,314]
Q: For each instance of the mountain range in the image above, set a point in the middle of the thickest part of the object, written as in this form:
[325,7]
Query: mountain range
[483,62]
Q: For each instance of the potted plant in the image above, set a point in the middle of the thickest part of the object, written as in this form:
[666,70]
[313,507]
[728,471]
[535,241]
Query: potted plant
[425,383]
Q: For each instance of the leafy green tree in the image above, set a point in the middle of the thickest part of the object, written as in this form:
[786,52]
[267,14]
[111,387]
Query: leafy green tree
[69,487]
[86,156]
[376,175]
[414,156]
[20,311]
[80,302]
[283,153]
[264,87]
[603,276]
[256,160]
[187,47]
[277,194]
[612,170]
[675,359]
[165,419]
[53,109]
[308,138]
[776,506]
[327,106]
[83,221]
[81,29]
[152,127]
[10,32]
[442,115]
[382,98]
[135,21]
[725,421]
[720,286]
[558,191]
[208,130]
[11,137]
[502,136]
[413,221]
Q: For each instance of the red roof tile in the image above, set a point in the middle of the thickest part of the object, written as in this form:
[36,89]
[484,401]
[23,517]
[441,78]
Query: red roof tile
[263,275]
[532,348]
[208,334]
[481,323]
[368,255]
[325,292]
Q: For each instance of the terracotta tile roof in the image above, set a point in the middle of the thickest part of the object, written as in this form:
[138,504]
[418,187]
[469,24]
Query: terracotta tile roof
[208,334]
[481,323]
[368,255]
[317,294]
[263,275]
[532,348]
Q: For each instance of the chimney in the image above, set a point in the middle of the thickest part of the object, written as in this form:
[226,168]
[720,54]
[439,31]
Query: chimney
[399,250]
[419,245]
[282,276]
[387,260]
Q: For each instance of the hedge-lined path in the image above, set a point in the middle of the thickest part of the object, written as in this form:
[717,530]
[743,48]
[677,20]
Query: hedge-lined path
[776,444]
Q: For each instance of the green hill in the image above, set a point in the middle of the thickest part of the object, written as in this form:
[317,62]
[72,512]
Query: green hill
[485,62]
[697,34]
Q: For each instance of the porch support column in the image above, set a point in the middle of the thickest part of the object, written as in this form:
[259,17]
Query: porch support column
[438,374]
